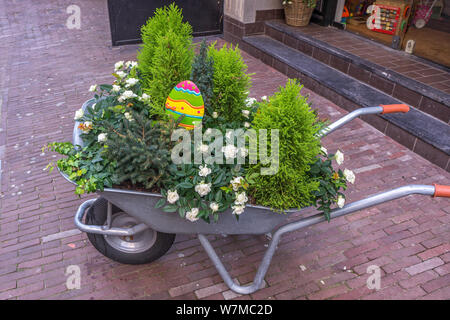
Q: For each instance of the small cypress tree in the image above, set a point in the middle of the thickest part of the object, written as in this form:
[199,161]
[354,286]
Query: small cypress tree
[166,54]
[203,75]
[290,187]
[231,83]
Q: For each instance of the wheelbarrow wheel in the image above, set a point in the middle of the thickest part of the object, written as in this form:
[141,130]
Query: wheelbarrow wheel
[144,247]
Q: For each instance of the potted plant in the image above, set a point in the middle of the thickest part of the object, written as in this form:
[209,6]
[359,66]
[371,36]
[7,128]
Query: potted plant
[298,12]
[127,133]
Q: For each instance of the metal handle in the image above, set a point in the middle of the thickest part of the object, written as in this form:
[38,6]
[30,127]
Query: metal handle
[306,222]
[441,191]
[382,109]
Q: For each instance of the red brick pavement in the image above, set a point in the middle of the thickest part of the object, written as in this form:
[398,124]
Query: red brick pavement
[46,72]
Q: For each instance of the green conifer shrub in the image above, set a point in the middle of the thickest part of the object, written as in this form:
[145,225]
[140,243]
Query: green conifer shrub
[231,83]
[203,75]
[166,54]
[290,187]
[141,149]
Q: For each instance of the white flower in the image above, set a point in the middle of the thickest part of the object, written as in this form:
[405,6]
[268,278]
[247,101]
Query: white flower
[127,95]
[203,188]
[243,152]
[215,115]
[247,124]
[241,198]
[203,148]
[349,176]
[208,131]
[325,151]
[214,206]
[236,183]
[102,137]
[118,65]
[250,101]
[245,113]
[115,88]
[93,88]
[128,116]
[172,196]
[192,215]
[339,156]
[131,64]
[204,171]
[340,201]
[121,74]
[229,151]
[131,82]
[238,209]
[79,114]
[264,98]
[145,97]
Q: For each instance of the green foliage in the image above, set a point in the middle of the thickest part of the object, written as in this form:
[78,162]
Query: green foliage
[231,83]
[202,75]
[141,148]
[86,166]
[166,55]
[185,179]
[330,184]
[290,113]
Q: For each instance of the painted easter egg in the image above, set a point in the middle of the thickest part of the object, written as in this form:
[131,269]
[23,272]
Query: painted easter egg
[186,99]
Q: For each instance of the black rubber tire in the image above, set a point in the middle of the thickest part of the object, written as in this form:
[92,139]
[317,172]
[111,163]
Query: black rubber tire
[96,215]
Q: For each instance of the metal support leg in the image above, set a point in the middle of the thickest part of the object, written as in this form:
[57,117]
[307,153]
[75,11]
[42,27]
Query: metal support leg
[101,229]
[306,222]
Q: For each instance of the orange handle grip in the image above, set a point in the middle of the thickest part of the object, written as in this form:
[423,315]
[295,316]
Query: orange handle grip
[392,108]
[441,191]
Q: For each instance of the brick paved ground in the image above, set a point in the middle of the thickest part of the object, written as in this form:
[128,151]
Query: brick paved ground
[46,71]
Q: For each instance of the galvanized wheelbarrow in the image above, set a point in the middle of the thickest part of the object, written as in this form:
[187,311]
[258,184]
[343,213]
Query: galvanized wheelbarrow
[125,226]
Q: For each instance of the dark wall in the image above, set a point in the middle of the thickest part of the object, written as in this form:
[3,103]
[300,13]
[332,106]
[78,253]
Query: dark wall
[127,16]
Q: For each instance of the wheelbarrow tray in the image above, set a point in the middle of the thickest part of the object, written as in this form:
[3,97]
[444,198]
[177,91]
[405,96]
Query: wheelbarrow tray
[141,205]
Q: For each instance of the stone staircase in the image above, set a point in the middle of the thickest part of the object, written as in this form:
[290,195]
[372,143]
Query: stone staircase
[353,82]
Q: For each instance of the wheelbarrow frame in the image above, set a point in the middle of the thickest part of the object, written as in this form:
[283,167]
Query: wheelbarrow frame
[255,220]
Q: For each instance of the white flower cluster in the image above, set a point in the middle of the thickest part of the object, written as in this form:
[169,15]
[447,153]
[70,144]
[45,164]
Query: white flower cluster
[241,197]
[203,188]
[172,196]
[128,94]
[131,82]
[192,215]
[102,137]
[79,114]
[204,171]
[348,174]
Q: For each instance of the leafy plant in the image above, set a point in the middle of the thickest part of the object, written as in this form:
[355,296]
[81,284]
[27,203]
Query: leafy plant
[166,55]
[330,184]
[290,187]
[203,192]
[231,83]
[86,166]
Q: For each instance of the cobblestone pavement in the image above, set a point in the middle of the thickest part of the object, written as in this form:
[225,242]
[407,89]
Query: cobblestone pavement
[46,72]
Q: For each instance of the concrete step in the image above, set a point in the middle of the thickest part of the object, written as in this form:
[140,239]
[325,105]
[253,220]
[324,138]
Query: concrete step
[422,96]
[417,130]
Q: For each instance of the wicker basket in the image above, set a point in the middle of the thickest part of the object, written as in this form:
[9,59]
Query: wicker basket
[297,14]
